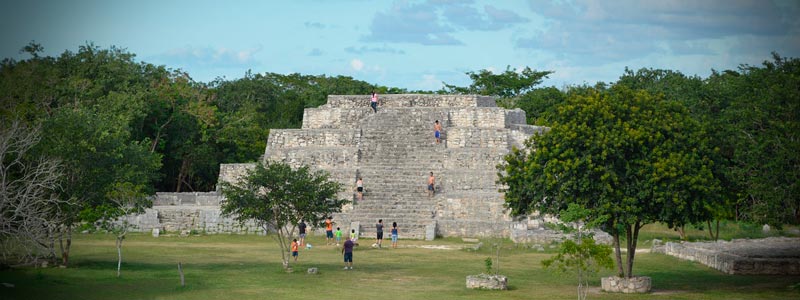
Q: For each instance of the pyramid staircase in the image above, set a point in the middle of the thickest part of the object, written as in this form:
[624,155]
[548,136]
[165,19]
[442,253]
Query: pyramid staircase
[393,150]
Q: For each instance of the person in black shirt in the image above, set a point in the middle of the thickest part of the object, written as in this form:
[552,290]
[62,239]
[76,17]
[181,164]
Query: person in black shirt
[379,230]
[302,228]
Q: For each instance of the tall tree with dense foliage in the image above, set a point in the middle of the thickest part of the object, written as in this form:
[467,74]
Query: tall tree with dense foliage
[759,133]
[277,196]
[629,157]
[508,84]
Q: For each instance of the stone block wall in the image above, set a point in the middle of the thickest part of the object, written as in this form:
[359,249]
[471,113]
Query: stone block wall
[769,256]
[344,135]
[200,212]
[410,100]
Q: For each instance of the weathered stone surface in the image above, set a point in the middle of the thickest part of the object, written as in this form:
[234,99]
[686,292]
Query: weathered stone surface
[394,151]
[313,271]
[489,282]
[772,256]
[637,284]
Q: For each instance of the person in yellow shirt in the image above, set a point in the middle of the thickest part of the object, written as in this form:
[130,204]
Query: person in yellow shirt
[329,231]
[295,251]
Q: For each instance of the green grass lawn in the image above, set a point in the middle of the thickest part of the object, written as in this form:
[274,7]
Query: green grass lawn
[248,267]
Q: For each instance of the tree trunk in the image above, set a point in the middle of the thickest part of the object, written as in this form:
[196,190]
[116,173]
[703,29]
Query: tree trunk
[182,173]
[632,240]
[119,255]
[681,231]
[617,254]
[65,249]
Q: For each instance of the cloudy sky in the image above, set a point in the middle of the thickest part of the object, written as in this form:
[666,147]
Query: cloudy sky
[415,44]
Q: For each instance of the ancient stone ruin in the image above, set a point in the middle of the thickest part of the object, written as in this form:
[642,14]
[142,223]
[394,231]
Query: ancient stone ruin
[394,151]
[768,256]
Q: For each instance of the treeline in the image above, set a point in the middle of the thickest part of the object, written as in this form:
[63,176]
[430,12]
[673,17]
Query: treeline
[105,121]
[108,120]
[751,117]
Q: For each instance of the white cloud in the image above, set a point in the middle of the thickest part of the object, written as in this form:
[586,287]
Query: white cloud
[429,82]
[356,64]
[209,56]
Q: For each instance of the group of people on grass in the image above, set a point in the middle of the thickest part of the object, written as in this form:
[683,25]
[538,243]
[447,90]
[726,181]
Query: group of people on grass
[332,237]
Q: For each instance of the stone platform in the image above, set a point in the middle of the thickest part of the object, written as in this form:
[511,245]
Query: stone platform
[768,256]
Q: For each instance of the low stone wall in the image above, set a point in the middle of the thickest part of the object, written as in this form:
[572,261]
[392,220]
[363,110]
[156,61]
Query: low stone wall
[411,100]
[769,256]
[176,212]
[177,199]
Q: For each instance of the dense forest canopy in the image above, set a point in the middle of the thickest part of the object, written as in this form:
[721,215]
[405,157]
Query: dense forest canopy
[109,118]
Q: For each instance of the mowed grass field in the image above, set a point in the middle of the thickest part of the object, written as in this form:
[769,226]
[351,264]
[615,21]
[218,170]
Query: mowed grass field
[248,267]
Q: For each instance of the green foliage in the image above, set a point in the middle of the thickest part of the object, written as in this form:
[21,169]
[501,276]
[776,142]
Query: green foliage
[508,84]
[488,265]
[758,125]
[277,197]
[628,157]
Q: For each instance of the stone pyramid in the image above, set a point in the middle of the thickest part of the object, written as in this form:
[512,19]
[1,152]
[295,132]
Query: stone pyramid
[394,151]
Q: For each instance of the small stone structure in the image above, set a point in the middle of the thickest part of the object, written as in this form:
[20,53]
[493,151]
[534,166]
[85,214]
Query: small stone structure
[636,284]
[769,256]
[489,282]
[186,212]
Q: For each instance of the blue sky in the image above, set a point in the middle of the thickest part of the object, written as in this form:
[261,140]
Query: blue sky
[415,44]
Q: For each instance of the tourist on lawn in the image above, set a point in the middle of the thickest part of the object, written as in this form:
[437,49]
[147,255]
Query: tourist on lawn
[302,228]
[394,235]
[295,250]
[354,236]
[347,251]
[379,232]
[338,235]
[329,231]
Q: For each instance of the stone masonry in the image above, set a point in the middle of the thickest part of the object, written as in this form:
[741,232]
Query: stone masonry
[393,150]
[768,256]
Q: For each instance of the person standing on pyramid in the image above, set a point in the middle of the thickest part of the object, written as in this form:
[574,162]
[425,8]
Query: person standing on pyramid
[360,188]
[374,101]
[437,131]
[431,182]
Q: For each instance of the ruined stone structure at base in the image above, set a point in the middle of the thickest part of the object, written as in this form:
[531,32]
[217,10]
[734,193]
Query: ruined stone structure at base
[767,256]
[394,151]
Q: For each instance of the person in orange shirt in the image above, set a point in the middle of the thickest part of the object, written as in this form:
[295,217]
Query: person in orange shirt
[329,230]
[295,251]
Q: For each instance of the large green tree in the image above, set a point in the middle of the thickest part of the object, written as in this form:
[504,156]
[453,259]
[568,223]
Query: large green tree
[277,196]
[508,84]
[757,129]
[629,157]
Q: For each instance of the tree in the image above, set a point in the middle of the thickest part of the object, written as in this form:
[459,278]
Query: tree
[127,199]
[508,84]
[628,157]
[277,197]
[757,128]
[580,254]
[29,206]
